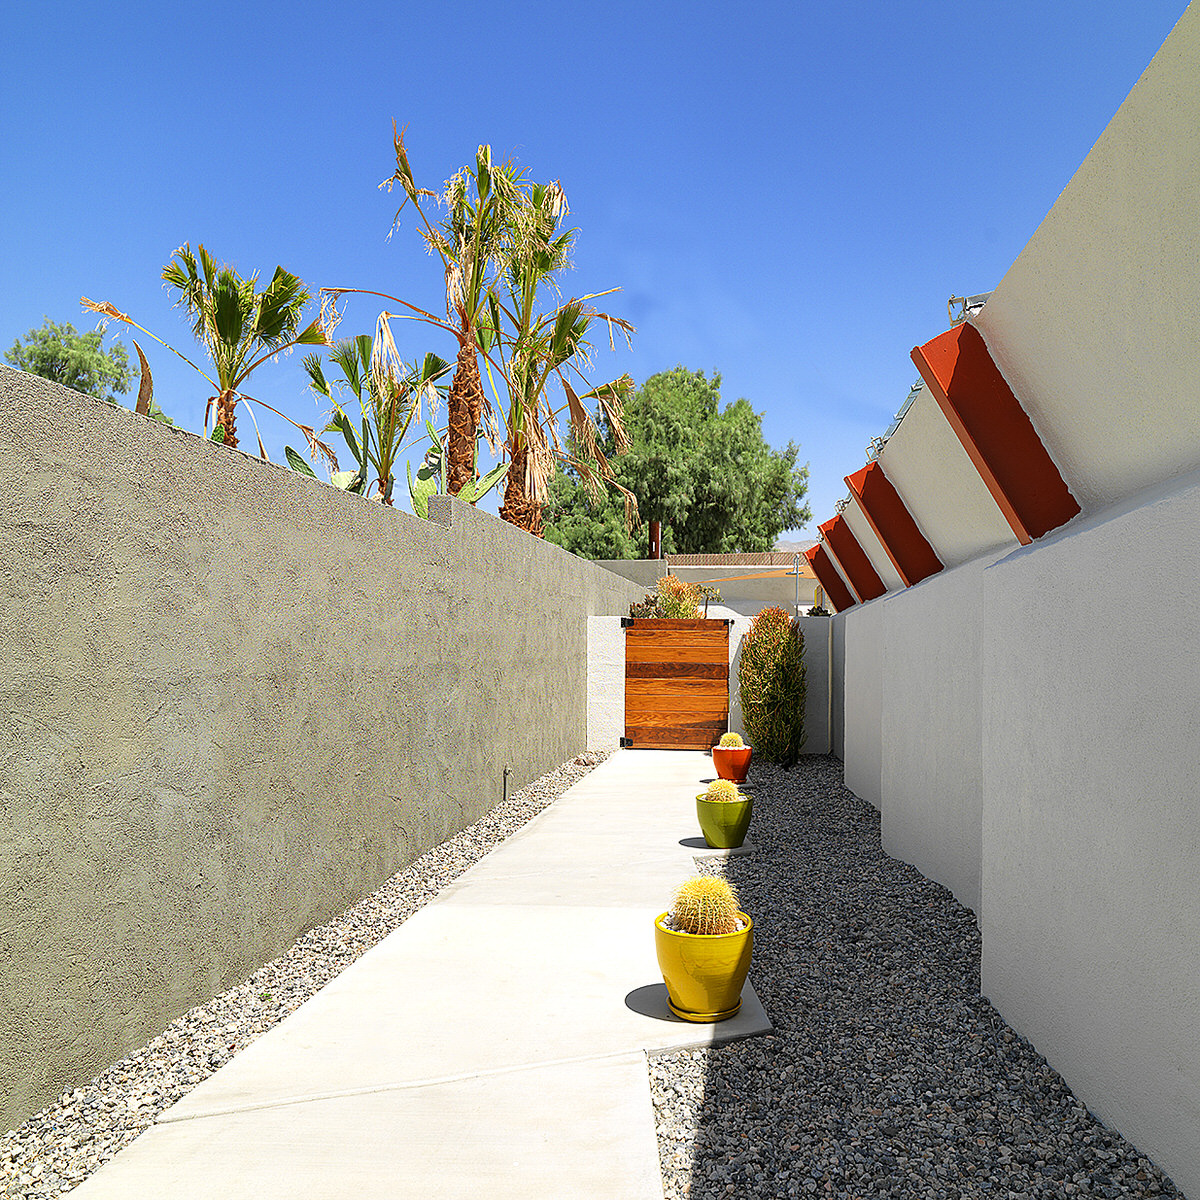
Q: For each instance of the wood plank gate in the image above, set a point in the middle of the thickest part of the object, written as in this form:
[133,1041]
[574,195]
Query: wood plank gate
[676,683]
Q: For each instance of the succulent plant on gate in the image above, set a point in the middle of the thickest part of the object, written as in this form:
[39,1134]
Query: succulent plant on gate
[722,790]
[705,904]
[731,739]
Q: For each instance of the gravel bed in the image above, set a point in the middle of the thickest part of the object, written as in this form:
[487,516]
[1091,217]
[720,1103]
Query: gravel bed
[887,1074]
[59,1147]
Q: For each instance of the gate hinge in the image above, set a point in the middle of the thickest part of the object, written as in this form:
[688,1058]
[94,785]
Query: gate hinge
[626,743]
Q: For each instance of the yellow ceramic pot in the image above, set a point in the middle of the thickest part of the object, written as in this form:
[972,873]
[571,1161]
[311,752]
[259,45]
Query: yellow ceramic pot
[704,973]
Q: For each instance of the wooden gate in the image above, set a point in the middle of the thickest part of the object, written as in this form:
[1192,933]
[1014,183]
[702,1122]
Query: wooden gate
[676,683]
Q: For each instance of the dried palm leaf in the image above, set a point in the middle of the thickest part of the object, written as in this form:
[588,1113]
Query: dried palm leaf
[146,387]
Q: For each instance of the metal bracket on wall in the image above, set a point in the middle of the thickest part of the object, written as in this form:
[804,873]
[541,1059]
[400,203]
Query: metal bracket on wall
[626,743]
[626,622]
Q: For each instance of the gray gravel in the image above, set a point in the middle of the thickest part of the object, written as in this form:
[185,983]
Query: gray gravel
[59,1147]
[887,1074]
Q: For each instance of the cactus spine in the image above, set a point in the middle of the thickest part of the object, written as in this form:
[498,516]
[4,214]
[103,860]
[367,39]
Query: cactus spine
[732,741]
[722,790]
[705,904]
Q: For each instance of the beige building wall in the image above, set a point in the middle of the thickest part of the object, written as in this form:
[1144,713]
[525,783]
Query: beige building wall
[236,700]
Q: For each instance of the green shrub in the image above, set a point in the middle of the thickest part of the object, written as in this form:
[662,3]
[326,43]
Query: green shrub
[705,904]
[772,686]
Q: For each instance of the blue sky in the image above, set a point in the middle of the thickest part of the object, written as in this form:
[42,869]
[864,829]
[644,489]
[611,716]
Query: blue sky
[786,193]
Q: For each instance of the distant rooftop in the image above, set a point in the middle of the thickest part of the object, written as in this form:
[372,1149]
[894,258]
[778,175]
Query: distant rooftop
[767,558]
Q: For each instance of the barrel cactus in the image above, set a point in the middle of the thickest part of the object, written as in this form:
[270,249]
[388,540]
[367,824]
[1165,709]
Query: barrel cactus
[722,790]
[731,741]
[705,904]
[772,686]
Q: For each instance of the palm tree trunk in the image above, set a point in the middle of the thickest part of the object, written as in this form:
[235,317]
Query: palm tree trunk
[518,508]
[465,407]
[226,402]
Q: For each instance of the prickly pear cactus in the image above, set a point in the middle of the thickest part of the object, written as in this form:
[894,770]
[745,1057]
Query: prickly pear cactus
[705,904]
[722,790]
[731,741]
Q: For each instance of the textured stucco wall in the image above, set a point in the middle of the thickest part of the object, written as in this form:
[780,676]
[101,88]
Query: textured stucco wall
[236,700]
[1091,819]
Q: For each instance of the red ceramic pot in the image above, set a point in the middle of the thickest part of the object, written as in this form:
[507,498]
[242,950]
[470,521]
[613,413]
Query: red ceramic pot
[732,762]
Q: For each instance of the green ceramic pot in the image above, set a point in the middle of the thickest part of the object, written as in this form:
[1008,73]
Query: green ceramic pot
[724,822]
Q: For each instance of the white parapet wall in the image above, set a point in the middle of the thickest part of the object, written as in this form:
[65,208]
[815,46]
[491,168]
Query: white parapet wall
[1091,815]
[1034,747]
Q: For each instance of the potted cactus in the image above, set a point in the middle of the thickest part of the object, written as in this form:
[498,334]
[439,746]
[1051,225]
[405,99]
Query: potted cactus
[724,814]
[704,945]
[731,757]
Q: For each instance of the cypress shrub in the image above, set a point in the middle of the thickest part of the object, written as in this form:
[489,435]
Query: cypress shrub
[772,686]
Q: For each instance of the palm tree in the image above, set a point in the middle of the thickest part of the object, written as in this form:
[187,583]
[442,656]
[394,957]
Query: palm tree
[536,348]
[389,392]
[240,328]
[474,242]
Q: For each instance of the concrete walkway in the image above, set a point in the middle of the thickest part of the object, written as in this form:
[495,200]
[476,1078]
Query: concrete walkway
[492,1046]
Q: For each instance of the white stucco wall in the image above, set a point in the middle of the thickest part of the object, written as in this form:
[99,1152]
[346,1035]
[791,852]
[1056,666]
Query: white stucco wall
[872,547]
[1035,747]
[1027,719]
[1094,325]
[1091,820]
[837,687]
[927,465]
[931,777]
[605,683]
[863,675]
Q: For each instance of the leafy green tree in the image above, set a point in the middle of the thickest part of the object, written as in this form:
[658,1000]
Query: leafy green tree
[706,473]
[76,360]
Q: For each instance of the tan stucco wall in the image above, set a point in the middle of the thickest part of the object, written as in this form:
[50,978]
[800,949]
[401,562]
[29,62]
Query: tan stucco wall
[236,701]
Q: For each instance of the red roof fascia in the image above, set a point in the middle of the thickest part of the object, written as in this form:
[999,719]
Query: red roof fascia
[911,554]
[828,577]
[852,558]
[996,432]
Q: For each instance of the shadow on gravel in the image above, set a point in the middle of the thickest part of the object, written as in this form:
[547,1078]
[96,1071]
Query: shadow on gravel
[886,1074]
